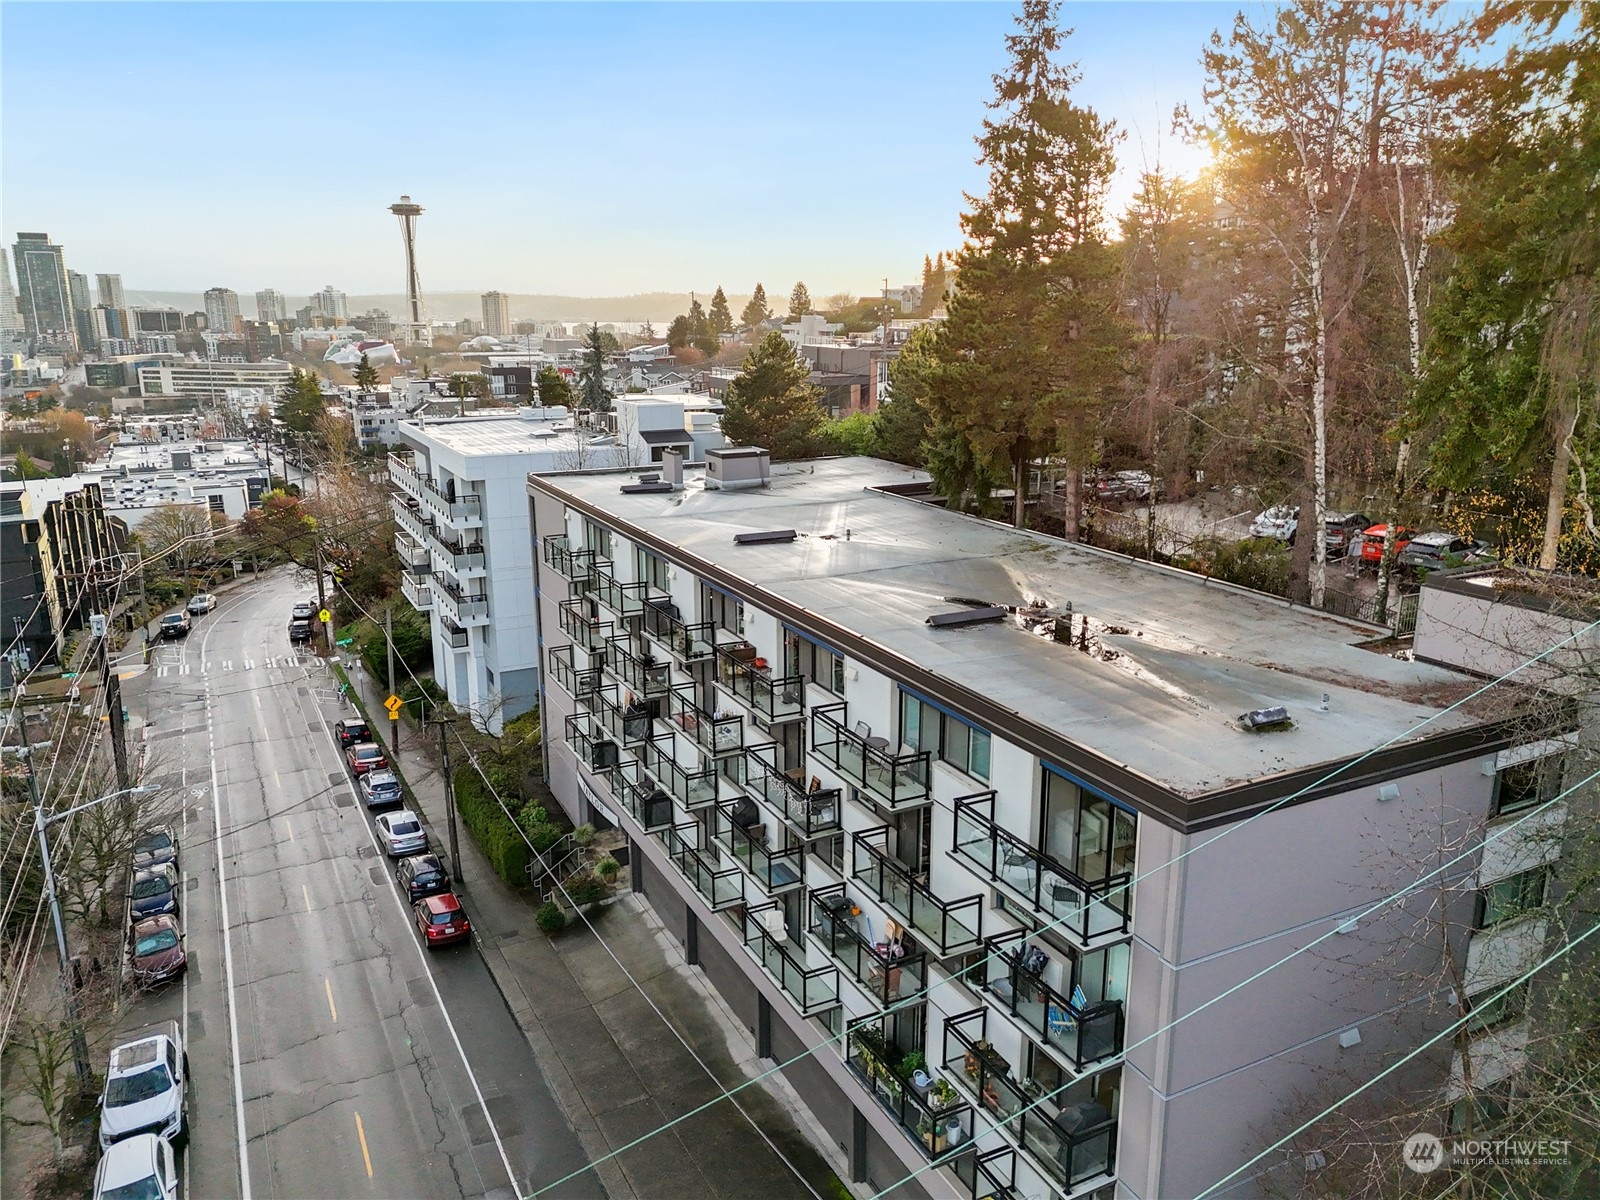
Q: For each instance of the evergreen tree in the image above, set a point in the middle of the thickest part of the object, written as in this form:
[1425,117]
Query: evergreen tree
[721,318]
[366,375]
[755,310]
[771,405]
[300,402]
[592,378]
[553,389]
[799,302]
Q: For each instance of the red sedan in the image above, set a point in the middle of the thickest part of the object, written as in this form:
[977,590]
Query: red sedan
[441,920]
[367,756]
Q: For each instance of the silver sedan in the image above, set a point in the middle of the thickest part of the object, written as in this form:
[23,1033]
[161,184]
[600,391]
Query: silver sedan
[401,833]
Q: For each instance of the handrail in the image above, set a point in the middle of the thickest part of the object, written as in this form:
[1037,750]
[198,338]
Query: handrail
[947,927]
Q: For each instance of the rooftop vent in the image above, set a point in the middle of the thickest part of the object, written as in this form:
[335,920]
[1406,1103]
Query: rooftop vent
[967,616]
[762,539]
[1259,719]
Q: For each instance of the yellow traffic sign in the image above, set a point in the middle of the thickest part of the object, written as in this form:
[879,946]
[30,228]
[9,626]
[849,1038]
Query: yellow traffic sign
[394,704]
[324,616]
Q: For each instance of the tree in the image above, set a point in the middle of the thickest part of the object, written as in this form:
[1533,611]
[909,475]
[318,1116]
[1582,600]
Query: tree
[799,302]
[366,375]
[756,310]
[721,318]
[300,402]
[179,535]
[1033,340]
[770,404]
[592,378]
[553,389]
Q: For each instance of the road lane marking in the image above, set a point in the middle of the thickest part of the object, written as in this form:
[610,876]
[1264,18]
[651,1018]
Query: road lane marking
[362,1134]
[327,986]
[307,894]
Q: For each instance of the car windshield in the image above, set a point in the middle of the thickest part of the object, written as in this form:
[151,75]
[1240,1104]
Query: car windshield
[135,1089]
[155,885]
[143,1189]
[400,828]
[155,943]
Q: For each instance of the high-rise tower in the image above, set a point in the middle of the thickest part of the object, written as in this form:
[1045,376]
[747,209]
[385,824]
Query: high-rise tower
[415,324]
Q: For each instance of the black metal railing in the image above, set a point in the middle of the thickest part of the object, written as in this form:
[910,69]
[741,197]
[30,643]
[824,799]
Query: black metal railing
[813,990]
[836,923]
[946,927]
[939,1126]
[741,673]
[810,813]
[897,780]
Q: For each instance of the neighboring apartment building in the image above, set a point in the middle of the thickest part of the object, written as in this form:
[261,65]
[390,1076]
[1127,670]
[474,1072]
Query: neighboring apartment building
[209,380]
[222,310]
[44,297]
[870,753]
[497,314]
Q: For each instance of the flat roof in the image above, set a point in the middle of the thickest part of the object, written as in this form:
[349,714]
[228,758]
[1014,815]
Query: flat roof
[1173,659]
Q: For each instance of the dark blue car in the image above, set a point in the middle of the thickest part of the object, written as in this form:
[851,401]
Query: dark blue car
[155,891]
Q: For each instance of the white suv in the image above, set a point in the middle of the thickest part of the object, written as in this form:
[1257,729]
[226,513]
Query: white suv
[146,1086]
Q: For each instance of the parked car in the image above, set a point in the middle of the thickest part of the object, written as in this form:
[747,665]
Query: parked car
[401,833]
[351,731]
[155,890]
[140,1167]
[1431,551]
[1341,532]
[1278,522]
[441,920]
[300,630]
[364,757]
[155,847]
[155,950]
[1372,542]
[202,602]
[303,610]
[174,625]
[421,875]
[146,1087]
[381,787]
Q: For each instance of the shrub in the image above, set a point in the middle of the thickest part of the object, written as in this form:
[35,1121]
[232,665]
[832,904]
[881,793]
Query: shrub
[489,826]
[550,918]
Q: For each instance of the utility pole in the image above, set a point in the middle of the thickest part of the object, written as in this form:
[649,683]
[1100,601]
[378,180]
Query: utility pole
[449,796]
[388,641]
[112,686]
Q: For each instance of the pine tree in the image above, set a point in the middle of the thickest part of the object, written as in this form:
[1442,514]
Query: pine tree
[366,375]
[721,318]
[755,310]
[770,404]
[592,378]
[799,302]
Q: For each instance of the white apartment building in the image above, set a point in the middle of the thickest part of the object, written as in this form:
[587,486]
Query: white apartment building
[210,380]
[904,782]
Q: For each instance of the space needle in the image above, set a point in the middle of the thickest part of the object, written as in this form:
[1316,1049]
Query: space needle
[416,326]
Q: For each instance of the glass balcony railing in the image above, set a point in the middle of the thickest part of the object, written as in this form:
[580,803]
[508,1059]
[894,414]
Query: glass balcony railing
[946,927]
[1084,909]
[625,600]
[990,1175]
[717,733]
[693,789]
[589,632]
[940,1127]
[813,990]
[638,793]
[645,677]
[837,924]
[686,643]
[896,780]
[579,683]
[809,813]
[1083,1032]
[737,829]
[577,566]
[744,674]
[721,884]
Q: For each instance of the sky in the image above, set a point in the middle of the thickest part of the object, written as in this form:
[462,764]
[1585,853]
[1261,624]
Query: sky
[574,149]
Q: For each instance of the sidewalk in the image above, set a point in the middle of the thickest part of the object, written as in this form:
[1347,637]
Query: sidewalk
[608,1059]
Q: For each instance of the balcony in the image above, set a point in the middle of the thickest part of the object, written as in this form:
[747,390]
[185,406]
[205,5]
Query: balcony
[414,587]
[455,636]
[1083,1033]
[721,884]
[940,1126]
[746,675]
[575,566]
[895,780]
[715,733]
[581,684]
[813,991]
[736,828]
[836,922]
[411,519]
[625,600]
[464,558]
[459,606]
[692,789]
[403,473]
[686,643]
[810,814]
[947,927]
[413,554]
[645,677]
[1087,911]
[583,630]
[454,507]
[990,1175]
[1072,1143]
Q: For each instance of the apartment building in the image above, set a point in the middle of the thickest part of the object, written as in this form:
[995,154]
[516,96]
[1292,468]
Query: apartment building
[943,800]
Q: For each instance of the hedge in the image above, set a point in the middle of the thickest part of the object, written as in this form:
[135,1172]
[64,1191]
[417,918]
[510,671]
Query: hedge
[497,836]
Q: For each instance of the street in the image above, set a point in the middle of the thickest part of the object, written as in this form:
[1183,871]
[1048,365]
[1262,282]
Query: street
[343,1057]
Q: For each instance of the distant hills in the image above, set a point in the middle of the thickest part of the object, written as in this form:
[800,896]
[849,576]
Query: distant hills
[659,307]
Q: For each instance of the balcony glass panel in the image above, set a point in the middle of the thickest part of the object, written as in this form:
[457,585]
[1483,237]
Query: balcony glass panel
[721,884]
[813,991]
[693,789]
[837,923]
[737,830]
[896,780]
[938,1127]
[719,733]
[589,632]
[947,927]
[1085,910]
[747,676]
[1083,1033]
[809,813]
[580,684]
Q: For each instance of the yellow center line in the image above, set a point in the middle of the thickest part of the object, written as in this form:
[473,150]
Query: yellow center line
[362,1134]
[304,892]
[327,986]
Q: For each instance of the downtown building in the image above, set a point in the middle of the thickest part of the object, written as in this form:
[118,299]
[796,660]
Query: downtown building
[904,782]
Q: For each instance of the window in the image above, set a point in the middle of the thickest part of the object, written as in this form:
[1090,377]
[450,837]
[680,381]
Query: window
[821,664]
[1490,1008]
[1511,897]
[651,568]
[1528,783]
[596,537]
[949,738]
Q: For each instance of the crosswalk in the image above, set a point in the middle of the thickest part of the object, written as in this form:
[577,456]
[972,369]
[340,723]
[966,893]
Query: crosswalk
[180,666]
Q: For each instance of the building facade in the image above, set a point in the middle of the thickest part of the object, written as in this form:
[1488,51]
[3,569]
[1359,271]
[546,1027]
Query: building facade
[968,849]
[43,294]
[109,290]
[222,310]
[497,314]
[271,305]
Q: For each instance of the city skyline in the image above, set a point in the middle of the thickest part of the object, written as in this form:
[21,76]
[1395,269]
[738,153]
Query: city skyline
[791,169]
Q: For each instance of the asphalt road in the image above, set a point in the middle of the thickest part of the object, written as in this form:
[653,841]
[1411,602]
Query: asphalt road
[345,1058]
